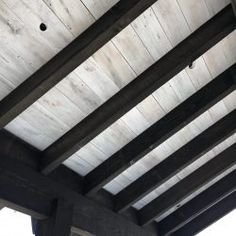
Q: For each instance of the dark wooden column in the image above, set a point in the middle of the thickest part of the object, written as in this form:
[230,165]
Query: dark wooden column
[58,224]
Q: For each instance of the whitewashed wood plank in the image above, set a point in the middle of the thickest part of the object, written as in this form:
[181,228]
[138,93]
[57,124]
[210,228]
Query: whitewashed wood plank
[61,107]
[214,6]
[74,14]
[199,74]
[229,47]
[37,44]
[78,165]
[37,115]
[230,101]
[96,79]
[170,17]
[151,109]
[113,138]
[79,92]
[98,8]
[166,97]
[135,120]
[151,33]
[29,134]
[114,65]
[196,12]
[133,50]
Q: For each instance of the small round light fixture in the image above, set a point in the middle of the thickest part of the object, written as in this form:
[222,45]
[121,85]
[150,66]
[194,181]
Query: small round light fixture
[42,27]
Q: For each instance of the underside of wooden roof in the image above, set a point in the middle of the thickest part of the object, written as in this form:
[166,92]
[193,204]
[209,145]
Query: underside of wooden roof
[118,117]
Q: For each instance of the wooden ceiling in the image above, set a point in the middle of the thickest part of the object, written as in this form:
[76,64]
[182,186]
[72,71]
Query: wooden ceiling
[139,101]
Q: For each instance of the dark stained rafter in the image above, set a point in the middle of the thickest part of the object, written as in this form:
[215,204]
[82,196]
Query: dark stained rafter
[150,80]
[158,133]
[198,205]
[210,216]
[97,35]
[10,145]
[176,162]
[183,189]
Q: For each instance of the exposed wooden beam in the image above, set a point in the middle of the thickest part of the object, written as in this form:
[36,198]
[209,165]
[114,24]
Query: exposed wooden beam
[198,205]
[39,189]
[10,145]
[97,35]
[158,133]
[58,224]
[176,162]
[150,80]
[210,216]
[183,189]
[28,201]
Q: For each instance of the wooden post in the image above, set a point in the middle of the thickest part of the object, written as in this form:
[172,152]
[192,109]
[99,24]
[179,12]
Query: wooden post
[59,224]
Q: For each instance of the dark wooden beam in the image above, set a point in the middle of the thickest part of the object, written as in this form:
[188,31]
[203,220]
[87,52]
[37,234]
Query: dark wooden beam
[210,216]
[10,145]
[28,201]
[158,133]
[183,189]
[176,162]
[198,205]
[39,190]
[97,35]
[59,223]
[150,80]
